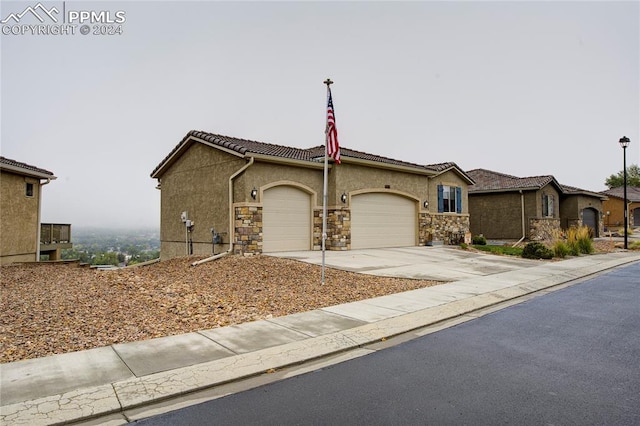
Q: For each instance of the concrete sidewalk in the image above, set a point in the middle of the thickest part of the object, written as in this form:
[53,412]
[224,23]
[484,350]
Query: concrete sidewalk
[124,377]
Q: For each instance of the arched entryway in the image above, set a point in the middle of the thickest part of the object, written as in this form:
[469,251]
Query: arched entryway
[590,219]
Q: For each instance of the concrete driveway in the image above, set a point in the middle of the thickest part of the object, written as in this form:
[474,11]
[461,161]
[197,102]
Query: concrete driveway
[430,263]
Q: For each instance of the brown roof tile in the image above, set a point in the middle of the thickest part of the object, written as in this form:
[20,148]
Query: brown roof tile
[25,166]
[633,193]
[487,181]
[315,154]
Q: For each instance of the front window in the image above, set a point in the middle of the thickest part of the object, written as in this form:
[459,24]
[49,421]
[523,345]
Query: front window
[449,199]
[29,190]
[449,196]
[547,205]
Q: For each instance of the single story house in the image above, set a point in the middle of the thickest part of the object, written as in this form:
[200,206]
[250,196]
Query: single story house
[508,207]
[21,188]
[221,193]
[614,207]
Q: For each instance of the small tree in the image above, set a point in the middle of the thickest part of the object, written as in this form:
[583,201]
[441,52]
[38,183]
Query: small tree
[617,180]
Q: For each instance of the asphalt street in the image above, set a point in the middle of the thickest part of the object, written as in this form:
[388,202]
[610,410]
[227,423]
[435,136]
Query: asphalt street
[568,357]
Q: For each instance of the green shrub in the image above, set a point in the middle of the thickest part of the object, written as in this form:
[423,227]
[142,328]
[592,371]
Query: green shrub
[464,246]
[561,249]
[479,240]
[536,250]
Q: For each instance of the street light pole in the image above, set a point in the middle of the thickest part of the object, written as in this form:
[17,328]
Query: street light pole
[624,143]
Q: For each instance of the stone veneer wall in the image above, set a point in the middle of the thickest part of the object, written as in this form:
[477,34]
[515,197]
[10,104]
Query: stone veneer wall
[248,230]
[438,227]
[338,229]
[543,228]
[432,227]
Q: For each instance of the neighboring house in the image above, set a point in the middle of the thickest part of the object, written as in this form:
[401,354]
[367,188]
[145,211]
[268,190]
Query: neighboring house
[508,207]
[21,236]
[252,197]
[614,207]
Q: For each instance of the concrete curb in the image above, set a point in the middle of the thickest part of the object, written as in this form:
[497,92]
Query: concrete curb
[87,403]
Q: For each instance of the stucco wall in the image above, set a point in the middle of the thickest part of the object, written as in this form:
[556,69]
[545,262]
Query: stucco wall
[496,216]
[499,215]
[198,184]
[263,175]
[352,177]
[616,218]
[18,218]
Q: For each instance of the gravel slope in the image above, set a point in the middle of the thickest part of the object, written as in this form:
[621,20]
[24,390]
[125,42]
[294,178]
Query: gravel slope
[48,309]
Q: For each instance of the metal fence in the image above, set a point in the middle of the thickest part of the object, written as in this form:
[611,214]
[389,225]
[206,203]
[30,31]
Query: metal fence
[55,233]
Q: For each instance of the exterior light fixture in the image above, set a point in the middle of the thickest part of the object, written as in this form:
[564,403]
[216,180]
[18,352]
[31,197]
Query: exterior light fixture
[425,204]
[254,193]
[343,197]
[624,143]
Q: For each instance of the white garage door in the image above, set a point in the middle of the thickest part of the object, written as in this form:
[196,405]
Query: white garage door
[382,220]
[286,220]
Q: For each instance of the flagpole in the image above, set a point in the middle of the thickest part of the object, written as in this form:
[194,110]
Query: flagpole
[328,82]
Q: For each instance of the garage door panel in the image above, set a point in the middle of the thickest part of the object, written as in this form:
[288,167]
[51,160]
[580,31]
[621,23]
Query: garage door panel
[382,220]
[286,219]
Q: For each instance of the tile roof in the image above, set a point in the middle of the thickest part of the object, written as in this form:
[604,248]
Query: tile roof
[566,189]
[24,166]
[633,193]
[318,153]
[440,167]
[488,181]
[314,154]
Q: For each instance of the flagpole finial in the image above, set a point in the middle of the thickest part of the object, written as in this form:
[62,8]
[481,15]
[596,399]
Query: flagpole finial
[328,82]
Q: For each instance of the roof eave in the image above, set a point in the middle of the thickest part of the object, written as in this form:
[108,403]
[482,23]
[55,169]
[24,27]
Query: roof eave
[376,164]
[490,191]
[27,172]
[288,161]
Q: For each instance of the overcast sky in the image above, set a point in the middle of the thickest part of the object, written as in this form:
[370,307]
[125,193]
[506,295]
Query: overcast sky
[523,88]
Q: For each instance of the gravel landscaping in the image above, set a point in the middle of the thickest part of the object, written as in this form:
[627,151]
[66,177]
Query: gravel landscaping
[54,308]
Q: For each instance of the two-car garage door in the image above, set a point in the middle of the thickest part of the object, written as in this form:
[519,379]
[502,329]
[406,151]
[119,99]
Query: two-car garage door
[382,220]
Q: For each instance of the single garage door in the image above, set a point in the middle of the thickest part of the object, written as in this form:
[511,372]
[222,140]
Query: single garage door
[382,220]
[286,220]
[590,220]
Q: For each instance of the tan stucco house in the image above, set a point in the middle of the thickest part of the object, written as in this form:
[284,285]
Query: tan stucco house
[508,207]
[21,198]
[252,197]
[614,207]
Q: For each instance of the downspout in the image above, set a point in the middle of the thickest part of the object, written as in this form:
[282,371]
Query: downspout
[39,231]
[523,229]
[231,214]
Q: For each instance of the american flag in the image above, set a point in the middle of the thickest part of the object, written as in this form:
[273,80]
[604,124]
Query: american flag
[333,149]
